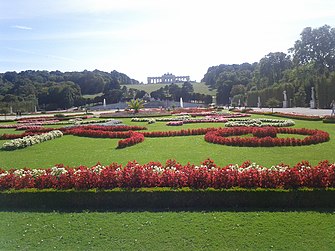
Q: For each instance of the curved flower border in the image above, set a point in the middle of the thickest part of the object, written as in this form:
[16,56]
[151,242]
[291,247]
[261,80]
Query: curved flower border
[222,137]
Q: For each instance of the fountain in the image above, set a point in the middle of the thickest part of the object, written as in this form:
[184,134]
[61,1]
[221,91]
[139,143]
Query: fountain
[181,103]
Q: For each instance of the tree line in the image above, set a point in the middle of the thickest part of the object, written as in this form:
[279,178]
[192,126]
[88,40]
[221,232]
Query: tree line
[309,63]
[44,90]
[56,90]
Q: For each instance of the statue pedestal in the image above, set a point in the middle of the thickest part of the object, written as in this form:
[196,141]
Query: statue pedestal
[312,104]
[285,104]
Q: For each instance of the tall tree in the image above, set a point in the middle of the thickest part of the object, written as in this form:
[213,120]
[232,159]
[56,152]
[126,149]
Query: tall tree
[271,67]
[316,46]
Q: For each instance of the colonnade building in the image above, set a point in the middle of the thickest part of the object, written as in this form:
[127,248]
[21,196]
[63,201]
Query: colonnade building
[168,78]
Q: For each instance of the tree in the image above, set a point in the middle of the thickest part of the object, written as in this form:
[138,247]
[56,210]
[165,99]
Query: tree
[113,95]
[222,94]
[272,102]
[300,97]
[271,67]
[135,104]
[316,46]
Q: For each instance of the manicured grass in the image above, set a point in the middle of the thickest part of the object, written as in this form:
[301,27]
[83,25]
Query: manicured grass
[167,231]
[198,88]
[75,151]
[257,230]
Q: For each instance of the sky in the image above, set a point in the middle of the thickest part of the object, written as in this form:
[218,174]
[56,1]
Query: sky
[147,38]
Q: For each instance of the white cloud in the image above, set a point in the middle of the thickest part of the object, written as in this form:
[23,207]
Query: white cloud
[21,27]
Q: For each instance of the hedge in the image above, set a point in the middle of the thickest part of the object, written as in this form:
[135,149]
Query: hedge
[165,199]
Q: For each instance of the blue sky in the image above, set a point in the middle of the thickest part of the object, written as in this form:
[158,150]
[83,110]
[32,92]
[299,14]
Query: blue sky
[144,38]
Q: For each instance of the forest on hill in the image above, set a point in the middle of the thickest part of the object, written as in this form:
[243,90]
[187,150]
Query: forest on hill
[43,90]
[309,63]
[57,90]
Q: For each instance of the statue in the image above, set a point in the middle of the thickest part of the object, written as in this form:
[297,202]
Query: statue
[285,96]
[312,102]
[285,103]
[259,102]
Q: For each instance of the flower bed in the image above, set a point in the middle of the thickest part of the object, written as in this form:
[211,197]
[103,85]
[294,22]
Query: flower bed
[289,115]
[187,132]
[179,118]
[297,116]
[222,136]
[8,126]
[259,123]
[134,138]
[329,119]
[173,175]
[175,123]
[30,140]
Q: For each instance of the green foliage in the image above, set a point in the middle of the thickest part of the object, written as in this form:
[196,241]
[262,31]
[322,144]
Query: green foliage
[272,103]
[325,90]
[300,97]
[275,91]
[160,198]
[136,105]
[271,69]
[316,46]
[312,66]
[54,90]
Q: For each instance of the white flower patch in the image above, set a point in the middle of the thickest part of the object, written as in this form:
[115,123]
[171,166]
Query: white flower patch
[57,171]
[31,140]
[259,122]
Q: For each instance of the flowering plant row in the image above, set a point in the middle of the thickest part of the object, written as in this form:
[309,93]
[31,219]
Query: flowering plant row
[107,128]
[7,136]
[8,126]
[298,116]
[175,123]
[203,120]
[100,121]
[222,136]
[259,122]
[31,140]
[328,119]
[179,118]
[173,175]
[288,115]
[133,139]
[191,110]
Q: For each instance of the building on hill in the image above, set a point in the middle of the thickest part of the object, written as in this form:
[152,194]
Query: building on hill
[168,78]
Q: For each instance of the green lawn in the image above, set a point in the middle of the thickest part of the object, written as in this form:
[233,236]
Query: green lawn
[225,230]
[74,151]
[167,231]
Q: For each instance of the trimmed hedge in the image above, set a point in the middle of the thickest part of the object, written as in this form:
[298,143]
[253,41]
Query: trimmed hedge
[158,199]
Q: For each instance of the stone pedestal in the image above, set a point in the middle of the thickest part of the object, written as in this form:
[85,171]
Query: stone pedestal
[312,104]
[285,104]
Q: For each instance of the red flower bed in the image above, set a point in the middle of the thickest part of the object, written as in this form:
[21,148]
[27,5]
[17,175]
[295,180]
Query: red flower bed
[97,133]
[6,136]
[173,175]
[175,123]
[221,136]
[134,138]
[264,132]
[187,132]
[110,128]
[288,115]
